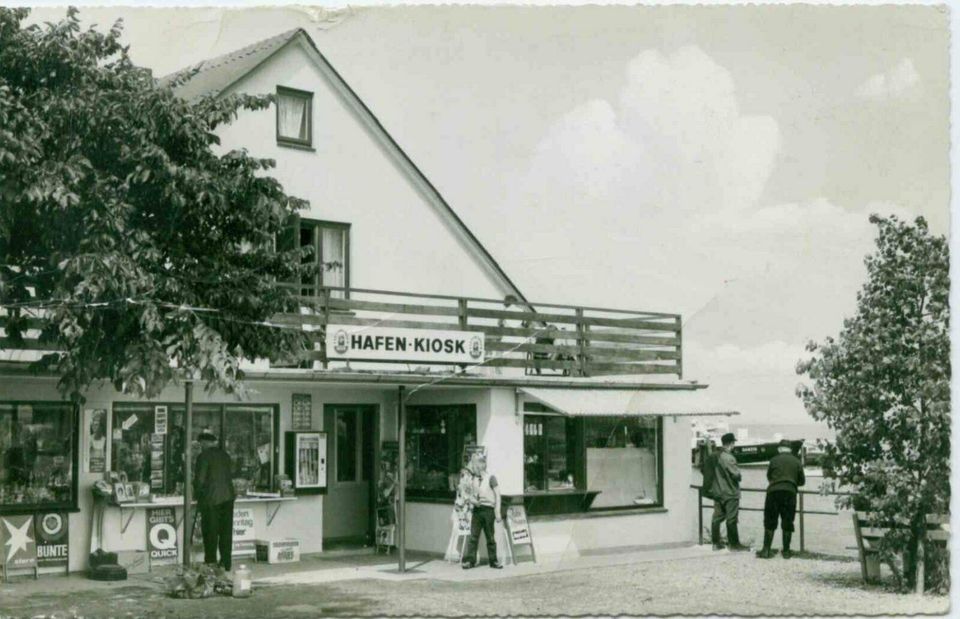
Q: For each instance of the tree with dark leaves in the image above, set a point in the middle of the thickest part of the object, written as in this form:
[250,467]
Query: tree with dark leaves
[884,386]
[139,253]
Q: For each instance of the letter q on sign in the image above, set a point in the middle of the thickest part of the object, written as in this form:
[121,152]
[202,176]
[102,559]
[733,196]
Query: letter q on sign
[163,536]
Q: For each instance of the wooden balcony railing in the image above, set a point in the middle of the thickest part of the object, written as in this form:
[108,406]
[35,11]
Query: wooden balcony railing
[540,338]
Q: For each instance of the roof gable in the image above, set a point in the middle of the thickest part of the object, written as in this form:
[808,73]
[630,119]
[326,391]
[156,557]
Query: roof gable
[216,75]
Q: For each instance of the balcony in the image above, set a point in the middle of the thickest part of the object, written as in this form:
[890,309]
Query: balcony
[528,339]
[542,339]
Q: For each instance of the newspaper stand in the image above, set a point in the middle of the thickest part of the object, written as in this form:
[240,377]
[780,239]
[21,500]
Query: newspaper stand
[519,535]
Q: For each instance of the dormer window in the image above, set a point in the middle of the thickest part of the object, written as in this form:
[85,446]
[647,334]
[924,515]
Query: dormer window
[294,117]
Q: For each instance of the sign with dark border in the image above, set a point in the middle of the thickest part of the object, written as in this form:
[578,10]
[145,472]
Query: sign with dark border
[53,539]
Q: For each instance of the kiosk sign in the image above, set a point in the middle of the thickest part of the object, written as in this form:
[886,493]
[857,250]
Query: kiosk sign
[389,344]
[162,536]
[53,539]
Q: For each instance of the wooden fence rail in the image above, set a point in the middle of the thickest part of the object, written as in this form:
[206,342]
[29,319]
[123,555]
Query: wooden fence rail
[542,338]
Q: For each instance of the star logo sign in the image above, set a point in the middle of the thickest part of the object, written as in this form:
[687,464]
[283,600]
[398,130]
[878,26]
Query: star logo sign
[19,537]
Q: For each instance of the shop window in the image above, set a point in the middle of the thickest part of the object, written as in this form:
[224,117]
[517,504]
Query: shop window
[549,453]
[246,432]
[623,460]
[436,437]
[38,453]
[294,117]
[612,461]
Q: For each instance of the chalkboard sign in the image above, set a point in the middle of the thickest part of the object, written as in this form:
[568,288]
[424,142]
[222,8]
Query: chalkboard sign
[518,533]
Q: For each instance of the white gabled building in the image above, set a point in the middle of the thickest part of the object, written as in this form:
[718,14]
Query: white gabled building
[583,411]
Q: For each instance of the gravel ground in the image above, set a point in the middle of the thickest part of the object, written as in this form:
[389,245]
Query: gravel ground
[726,584]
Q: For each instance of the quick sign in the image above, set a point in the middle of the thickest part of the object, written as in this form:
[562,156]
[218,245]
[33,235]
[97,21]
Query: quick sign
[388,344]
[19,546]
[53,539]
[162,536]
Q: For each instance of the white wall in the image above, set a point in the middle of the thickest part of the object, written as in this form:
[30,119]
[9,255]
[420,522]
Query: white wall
[429,524]
[302,519]
[398,240]
[678,523]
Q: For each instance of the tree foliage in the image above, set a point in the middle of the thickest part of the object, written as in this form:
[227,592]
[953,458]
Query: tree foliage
[124,237]
[884,386]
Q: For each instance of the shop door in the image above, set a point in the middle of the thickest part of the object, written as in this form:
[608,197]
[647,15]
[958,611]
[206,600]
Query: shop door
[348,508]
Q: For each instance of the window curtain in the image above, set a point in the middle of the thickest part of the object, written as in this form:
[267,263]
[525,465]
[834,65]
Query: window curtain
[333,255]
[293,117]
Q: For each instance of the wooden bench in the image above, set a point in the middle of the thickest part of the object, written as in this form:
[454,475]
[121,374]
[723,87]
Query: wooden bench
[868,541]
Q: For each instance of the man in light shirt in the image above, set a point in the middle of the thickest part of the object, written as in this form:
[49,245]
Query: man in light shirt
[486,512]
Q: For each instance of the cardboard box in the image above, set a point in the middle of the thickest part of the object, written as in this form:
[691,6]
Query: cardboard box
[278,551]
[136,561]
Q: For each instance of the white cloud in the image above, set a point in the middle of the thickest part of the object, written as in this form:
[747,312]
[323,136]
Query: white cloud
[898,81]
[651,200]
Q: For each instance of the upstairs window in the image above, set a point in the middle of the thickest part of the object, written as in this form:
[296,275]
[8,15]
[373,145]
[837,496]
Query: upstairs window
[294,117]
[330,255]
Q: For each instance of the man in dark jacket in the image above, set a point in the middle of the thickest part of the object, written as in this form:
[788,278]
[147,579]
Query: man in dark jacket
[725,492]
[215,495]
[785,476]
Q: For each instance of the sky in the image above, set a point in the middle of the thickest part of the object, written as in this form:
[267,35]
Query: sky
[719,162]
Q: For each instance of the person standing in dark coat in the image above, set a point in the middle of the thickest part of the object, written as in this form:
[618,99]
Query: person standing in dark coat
[785,476]
[213,487]
[725,491]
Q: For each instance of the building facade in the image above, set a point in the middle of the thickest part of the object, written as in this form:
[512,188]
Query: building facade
[583,412]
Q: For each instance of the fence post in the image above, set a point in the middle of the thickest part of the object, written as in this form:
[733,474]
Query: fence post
[581,344]
[700,514]
[462,320]
[801,521]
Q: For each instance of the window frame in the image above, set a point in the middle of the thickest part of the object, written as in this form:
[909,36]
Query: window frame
[71,506]
[289,141]
[316,227]
[579,467]
[463,410]
[223,409]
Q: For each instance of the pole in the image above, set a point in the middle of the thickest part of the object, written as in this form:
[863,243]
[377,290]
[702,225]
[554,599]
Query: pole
[187,474]
[700,513]
[401,484]
[803,463]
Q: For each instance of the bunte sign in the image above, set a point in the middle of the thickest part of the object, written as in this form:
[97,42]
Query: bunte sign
[389,344]
[53,539]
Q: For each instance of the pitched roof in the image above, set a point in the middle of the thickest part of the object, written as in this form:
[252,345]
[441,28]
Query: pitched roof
[214,76]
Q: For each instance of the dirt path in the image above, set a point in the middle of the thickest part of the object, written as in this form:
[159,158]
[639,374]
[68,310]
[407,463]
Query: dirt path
[730,584]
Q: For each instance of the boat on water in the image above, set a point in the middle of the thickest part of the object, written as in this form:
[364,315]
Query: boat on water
[761,452]
[746,451]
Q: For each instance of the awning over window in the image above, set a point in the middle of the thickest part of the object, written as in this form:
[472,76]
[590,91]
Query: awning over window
[602,402]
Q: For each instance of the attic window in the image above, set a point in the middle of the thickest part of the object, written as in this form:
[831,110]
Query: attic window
[294,117]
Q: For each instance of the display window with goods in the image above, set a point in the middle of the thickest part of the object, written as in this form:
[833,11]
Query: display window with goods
[436,437]
[38,456]
[603,462]
[148,442]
